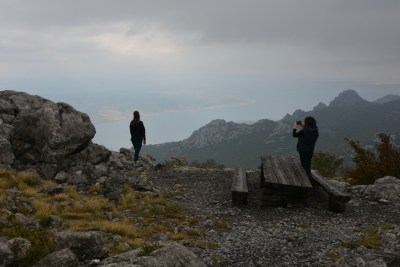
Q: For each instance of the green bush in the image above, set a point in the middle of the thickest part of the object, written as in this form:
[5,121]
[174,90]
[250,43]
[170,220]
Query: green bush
[371,165]
[327,164]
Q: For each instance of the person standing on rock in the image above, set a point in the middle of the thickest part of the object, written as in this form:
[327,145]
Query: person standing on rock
[307,137]
[138,134]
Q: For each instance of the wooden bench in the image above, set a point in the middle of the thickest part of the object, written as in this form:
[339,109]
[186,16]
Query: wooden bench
[239,187]
[337,198]
[283,181]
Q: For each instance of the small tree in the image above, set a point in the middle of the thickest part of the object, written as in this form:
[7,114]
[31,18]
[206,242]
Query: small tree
[327,163]
[371,166]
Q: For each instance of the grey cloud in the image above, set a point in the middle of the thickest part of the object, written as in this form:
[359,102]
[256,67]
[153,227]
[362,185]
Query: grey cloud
[341,32]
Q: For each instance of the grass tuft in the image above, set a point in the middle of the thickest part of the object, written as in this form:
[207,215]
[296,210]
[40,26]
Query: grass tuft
[149,247]
[370,240]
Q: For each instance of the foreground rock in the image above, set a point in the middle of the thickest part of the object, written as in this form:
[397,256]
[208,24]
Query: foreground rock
[34,129]
[170,255]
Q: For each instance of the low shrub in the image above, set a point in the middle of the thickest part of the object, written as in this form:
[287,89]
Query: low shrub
[326,163]
[372,165]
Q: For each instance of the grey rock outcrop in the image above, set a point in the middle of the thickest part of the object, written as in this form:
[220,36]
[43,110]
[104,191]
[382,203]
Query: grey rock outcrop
[37,131]
[176,162]
[20,246]
[61,258]
[85,245]
[6,255]
[170,255]
[50,133]
[387,188]
[6,155]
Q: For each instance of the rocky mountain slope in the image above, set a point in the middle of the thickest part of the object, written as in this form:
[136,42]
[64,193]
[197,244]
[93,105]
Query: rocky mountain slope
[241,145]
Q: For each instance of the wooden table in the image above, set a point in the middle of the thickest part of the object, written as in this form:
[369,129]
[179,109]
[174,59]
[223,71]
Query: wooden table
[283,181]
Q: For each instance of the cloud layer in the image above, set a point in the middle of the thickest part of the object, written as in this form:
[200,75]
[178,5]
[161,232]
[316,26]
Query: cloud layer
[198,60]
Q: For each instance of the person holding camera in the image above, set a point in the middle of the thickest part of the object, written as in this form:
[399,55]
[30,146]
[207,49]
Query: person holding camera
[307,137]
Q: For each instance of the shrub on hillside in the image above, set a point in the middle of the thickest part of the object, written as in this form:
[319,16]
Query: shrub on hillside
[326,163]
[372,165]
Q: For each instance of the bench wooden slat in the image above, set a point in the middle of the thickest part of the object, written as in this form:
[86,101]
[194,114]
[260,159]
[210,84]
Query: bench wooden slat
[301,174]
[288,170]
[280,175]
[269,174]
[239,187]
[337,198]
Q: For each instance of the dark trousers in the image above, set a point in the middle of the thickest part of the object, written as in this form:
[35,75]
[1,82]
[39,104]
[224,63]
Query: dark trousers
[305,159]
[137,145]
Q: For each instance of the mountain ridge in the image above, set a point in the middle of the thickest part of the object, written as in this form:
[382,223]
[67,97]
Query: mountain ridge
[241,145]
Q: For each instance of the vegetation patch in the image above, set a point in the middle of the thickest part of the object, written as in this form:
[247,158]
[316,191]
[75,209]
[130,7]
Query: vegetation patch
[137,217]
[374,164]
[371,239]
[205,245]
[149,247]
[332,256]
[221,225]
[42,242]
[217,259]
[387,226]
[326,163]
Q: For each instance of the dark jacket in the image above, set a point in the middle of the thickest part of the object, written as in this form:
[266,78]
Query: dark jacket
[138,132]
[306,139]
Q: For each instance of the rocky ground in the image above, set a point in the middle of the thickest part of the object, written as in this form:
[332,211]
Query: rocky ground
[287,236]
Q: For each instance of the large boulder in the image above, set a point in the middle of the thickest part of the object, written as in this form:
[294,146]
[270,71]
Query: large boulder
[20,246]
[387,187]
[13,102]
[6,255]
[61,258]
[93,153]
[50,133]
[86,245]
[6,155]
[170,255]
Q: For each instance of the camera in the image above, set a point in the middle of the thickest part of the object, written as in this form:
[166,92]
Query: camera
[299,122]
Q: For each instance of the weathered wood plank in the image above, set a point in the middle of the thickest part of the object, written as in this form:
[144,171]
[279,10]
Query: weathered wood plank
[268,170]
[239,187]
[301,174]
[337,198]
[288,170]
[280,175]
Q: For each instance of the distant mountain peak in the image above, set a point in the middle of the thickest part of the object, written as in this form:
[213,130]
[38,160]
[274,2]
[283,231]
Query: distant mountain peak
[387,99]
[319,106]
[348,98]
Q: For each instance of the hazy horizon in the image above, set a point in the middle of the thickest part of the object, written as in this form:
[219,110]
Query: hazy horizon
[183,64]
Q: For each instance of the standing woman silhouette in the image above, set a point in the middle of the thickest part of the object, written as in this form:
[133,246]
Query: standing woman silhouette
[306,142]
[138,134]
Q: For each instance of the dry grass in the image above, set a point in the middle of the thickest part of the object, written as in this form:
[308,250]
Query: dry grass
[371,240]
[138,216]
[43,210]
[7,179]
[177,236]
[123,229]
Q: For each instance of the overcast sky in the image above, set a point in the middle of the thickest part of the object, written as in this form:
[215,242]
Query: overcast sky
[184,63]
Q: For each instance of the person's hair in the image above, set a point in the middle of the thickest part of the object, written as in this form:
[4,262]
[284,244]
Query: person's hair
[310,121]
[136,117]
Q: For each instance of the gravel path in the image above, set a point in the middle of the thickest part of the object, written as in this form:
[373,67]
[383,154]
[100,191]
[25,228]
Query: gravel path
[273,236]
